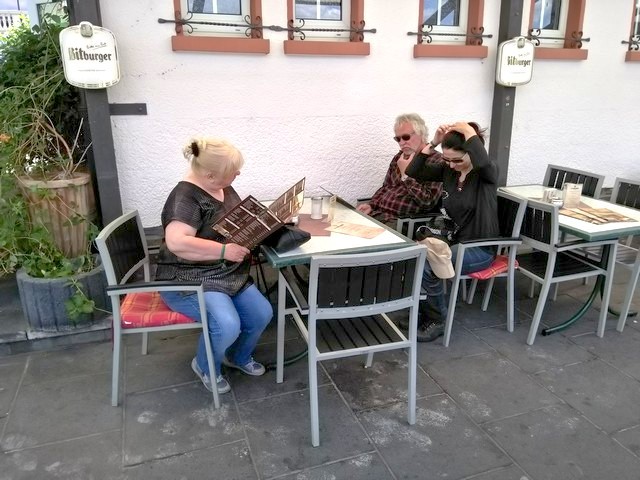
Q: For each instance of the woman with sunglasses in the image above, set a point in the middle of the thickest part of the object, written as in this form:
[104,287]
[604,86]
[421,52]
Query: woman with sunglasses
[469,184]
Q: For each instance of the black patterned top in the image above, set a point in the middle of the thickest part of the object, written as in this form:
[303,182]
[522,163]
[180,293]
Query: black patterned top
[188,203]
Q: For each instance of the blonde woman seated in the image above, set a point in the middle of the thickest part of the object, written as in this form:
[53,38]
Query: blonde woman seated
[192,251]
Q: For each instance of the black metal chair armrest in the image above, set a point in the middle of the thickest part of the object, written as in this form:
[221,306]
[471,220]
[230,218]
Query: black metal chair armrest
[164,286]
[577,244]
[490,242]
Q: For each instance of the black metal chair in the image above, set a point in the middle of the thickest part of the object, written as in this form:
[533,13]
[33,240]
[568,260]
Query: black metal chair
[137,306]
[556,176]
[510,214]
[552,261]
[343,310]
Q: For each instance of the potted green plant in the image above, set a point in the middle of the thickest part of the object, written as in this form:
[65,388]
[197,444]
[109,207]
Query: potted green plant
[47,204]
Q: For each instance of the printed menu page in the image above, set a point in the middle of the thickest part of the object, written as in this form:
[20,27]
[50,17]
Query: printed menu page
[597,216]
[355,229]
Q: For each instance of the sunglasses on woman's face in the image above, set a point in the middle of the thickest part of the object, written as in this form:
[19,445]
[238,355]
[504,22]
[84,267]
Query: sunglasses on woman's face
[454,160]
[404,137]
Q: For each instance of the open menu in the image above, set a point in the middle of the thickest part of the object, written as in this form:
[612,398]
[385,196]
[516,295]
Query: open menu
[597,216]
[250,222]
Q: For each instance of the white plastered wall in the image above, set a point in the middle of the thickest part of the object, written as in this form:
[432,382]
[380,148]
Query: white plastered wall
[331,118]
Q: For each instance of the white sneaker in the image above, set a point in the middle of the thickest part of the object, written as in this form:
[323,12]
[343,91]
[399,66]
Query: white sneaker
[221,383]
[252,367]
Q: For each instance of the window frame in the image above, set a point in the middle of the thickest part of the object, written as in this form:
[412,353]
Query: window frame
[472,47]
[328,46]
[214,17]
[634,55]
[460,29]
[345,7]
[562,25]
[215,42]
[570,50]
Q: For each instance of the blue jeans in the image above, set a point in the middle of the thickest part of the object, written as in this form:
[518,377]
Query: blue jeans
[235,322]
[474,259]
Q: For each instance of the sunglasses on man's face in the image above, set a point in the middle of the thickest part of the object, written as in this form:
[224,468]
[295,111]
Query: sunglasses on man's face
[454,160]
[404,137]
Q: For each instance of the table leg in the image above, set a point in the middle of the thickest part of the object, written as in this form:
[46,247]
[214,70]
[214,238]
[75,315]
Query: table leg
[633,281]
[601,286]
[280,329]
[610,252]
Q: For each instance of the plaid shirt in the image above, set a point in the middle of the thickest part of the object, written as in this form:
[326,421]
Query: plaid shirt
[404,198]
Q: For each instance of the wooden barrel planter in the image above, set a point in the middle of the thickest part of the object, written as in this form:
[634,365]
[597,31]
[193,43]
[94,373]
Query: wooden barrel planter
[43,300]
[64,208]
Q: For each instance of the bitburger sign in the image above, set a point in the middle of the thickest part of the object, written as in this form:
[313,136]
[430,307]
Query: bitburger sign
[89,56]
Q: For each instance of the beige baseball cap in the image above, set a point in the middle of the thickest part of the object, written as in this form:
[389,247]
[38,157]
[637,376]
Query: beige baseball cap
[439,257]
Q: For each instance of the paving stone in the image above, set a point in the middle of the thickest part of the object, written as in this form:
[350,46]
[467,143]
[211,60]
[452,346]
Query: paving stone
[10,376]
[179,341]
[508,473]
[228,462]
[279,432]
[472,316]
[463,343]
[296,375]
[604,395]
[166,427]
[630,438]
[489,387]
[93,457]
[61,409]
[622,350]
[176,420]
[69,362]
[384,382]
[168,362]
[368,466]
[546,352]
[558,443]
[439,445]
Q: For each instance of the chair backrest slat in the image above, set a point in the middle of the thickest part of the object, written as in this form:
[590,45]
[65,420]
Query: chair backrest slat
[409,272]
[356,281]
[556,176]
[383,286]
[369,285]
[396,289]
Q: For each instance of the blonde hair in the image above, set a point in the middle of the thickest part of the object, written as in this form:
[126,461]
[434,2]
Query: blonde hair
[213,155]
[416,122]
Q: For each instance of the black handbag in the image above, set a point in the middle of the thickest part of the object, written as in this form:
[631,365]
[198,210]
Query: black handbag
[441,227]
[286,238]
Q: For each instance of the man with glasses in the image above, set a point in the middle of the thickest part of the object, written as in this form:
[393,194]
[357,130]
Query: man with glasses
[400,195]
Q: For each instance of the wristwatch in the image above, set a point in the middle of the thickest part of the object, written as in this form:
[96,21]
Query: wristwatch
[433,145]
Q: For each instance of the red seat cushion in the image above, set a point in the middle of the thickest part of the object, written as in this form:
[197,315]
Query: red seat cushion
[147,309]
[500,265]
